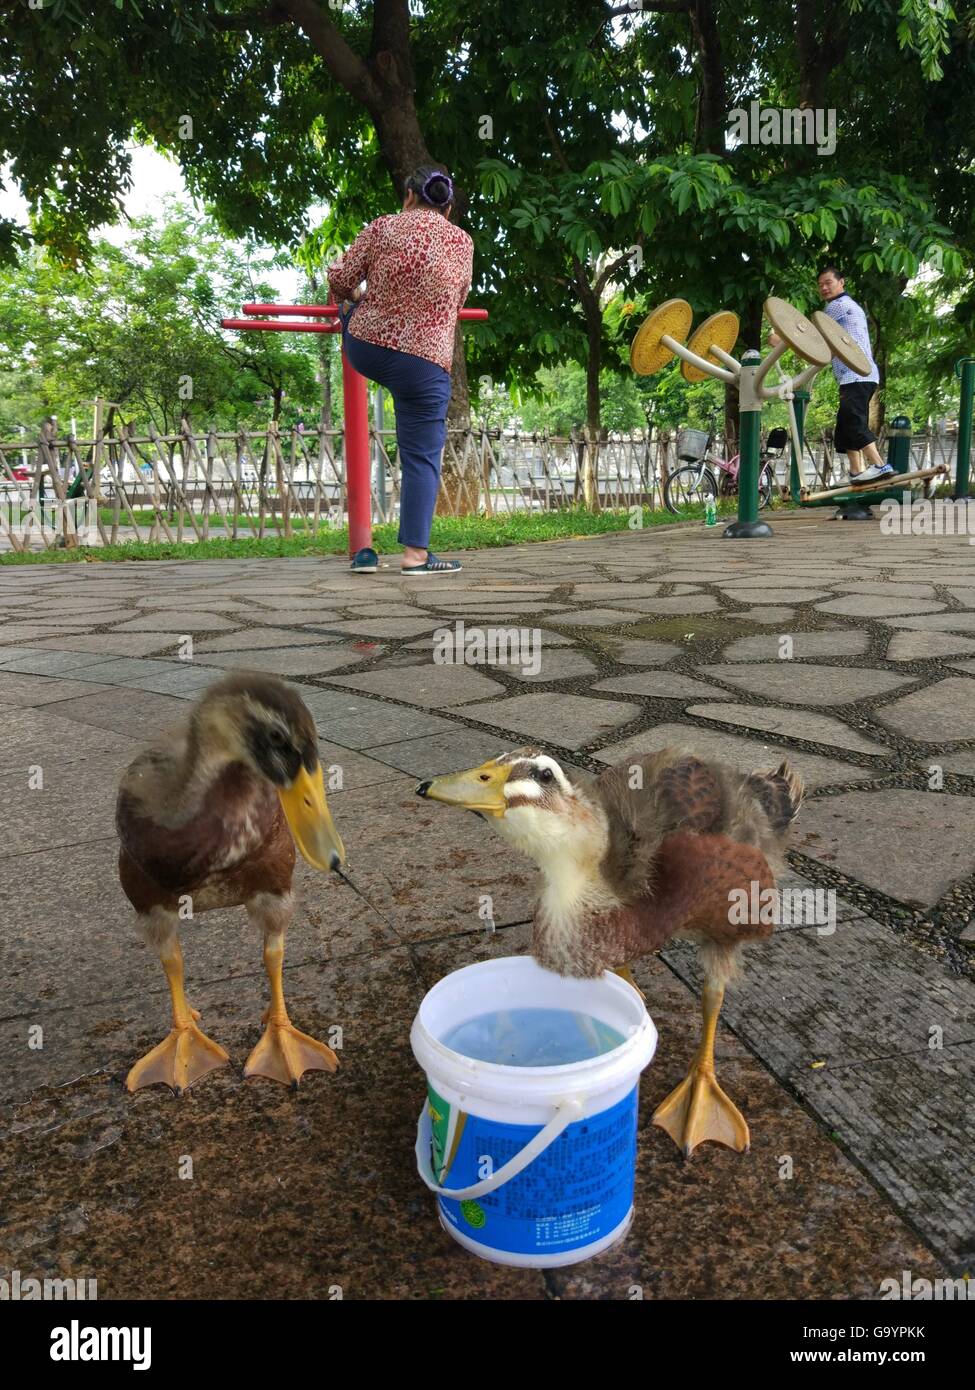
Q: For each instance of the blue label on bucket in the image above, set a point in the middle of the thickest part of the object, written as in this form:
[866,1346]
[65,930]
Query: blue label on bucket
[578,1190]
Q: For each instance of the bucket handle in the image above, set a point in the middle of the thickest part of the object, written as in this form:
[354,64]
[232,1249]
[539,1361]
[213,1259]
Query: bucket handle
[565,1114]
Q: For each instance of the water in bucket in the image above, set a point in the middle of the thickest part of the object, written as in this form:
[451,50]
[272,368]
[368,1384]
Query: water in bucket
[533,1037]
[529,1132]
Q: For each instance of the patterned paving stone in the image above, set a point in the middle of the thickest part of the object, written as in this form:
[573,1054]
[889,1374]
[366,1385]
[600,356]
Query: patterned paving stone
[638,651]
[16,689]
[593,617]
[771,594]
[866,834]
[270,638]
[938,622]
[816,728]
[767,646]
[439,753]
[295,661]
[554,664]
[773,617]
[667,685]
[693,603]
[111,643]
[41,663]
[884,588]
[921,646]
[189,620]
[570,721]
[807,684]
[870,606]
[943,712]
[381,627]
[356,722]
[746,754]
[433,686]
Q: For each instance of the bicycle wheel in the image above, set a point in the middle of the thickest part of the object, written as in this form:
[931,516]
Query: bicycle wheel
[689,486]
[766,486]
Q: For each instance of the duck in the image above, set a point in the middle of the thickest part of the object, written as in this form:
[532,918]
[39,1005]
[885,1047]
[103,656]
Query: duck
[649,849]
[209,817]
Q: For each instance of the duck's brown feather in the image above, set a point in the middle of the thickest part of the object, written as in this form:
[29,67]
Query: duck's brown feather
[234,845]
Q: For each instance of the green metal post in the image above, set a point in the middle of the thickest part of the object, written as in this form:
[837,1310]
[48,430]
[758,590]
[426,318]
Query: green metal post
[748,525]
[800,400]
[965,371]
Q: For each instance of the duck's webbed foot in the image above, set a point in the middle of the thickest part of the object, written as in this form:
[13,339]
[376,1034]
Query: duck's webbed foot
[183,1057]
[285,1053]
[697,1110]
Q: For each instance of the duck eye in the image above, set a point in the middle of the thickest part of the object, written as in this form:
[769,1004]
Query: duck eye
[544,774]
[276,738]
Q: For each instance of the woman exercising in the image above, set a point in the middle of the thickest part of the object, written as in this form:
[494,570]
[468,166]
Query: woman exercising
[400,333]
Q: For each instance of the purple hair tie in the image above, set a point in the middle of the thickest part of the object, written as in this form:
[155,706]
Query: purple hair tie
[450,189]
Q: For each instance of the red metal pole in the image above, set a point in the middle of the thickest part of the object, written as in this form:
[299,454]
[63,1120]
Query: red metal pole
[358,491]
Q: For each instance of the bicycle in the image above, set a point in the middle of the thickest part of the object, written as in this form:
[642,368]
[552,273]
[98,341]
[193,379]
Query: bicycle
[705,474]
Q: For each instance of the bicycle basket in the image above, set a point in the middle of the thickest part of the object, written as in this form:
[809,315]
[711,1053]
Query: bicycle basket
[777,439]
[692,444]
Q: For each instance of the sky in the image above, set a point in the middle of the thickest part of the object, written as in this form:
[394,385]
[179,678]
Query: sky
[154,177]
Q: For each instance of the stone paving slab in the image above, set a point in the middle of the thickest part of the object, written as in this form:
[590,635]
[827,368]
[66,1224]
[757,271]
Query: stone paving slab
[578,721]
[433,687]
[666,685]
[295,661]
[805,645]
[814,728]
[41,690]
[867,606]
[910,845]
[357,722]
[809,684]
[940,713]
[921,646]
[857,1051]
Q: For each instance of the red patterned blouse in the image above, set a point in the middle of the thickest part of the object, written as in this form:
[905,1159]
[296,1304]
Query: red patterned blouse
[419,268]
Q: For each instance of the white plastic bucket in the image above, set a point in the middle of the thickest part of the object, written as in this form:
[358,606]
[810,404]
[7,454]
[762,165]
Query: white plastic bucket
[531,1165]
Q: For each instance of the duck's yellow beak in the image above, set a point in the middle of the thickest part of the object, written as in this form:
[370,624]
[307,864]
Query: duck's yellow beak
[479,789]
[311,821]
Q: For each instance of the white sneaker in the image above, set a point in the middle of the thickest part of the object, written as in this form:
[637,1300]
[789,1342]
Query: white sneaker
[870,475]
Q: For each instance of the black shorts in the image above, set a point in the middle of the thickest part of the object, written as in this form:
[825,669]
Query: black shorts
[852,419]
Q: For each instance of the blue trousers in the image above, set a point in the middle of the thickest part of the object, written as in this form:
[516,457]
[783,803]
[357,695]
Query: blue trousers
[421,392]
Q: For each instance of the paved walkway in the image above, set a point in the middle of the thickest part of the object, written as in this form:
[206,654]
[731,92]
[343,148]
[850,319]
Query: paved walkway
[850,1052]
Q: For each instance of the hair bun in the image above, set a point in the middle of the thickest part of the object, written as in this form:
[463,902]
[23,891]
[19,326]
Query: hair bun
[432,192]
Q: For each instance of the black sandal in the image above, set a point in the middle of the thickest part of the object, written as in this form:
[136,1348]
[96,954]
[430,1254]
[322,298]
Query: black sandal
[433,565]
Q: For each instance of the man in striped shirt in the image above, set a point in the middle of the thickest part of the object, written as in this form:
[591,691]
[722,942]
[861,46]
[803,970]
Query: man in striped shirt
[853,435]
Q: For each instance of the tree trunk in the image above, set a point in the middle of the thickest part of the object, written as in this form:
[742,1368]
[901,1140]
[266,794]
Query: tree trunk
[712,111]
[385,84]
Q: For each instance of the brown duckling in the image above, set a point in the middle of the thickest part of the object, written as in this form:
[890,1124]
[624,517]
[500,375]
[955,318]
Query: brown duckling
[208,818]
[652,848]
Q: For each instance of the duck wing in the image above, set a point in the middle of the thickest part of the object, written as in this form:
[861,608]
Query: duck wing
[660,794]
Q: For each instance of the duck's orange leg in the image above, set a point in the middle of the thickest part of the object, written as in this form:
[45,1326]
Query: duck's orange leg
[698,1109]
[187,1054]
[284,1054]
